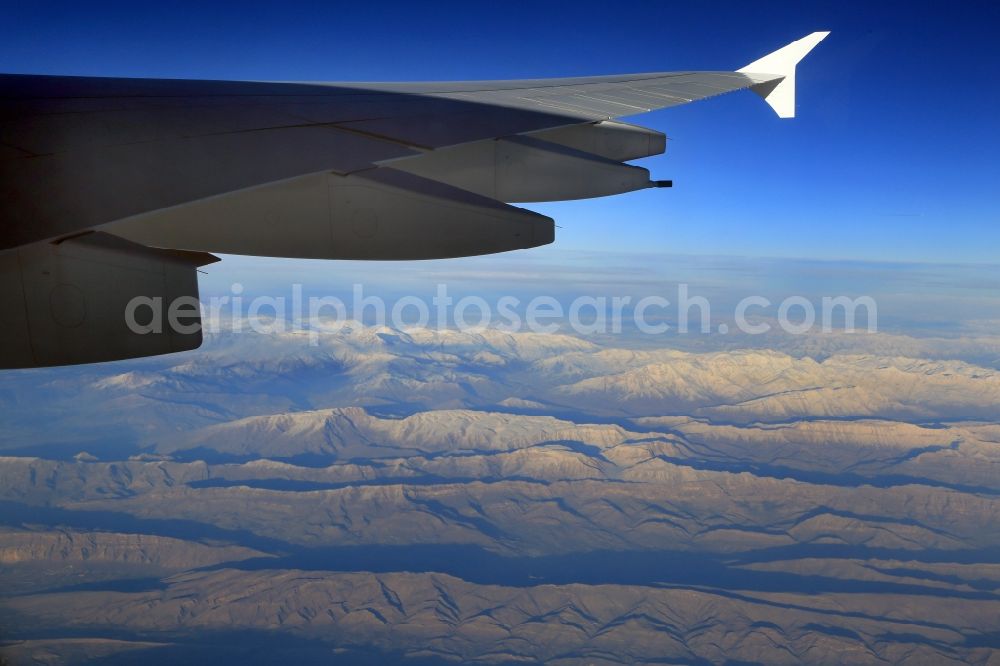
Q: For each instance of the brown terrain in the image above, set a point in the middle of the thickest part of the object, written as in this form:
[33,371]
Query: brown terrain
[436,496]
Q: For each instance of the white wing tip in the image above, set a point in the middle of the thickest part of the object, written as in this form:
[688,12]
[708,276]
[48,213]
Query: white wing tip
[775,73]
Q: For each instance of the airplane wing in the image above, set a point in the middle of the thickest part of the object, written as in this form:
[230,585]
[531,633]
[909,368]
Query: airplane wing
[300,169]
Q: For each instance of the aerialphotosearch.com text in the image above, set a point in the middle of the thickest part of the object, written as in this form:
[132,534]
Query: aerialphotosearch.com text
[584,315]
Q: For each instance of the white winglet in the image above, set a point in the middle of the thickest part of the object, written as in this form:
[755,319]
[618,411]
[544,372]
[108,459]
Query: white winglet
[776,73]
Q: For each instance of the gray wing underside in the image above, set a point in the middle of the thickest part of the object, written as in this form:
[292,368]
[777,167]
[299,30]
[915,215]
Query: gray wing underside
[78,153]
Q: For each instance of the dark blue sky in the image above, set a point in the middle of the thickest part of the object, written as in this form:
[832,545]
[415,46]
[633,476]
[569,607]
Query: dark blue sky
[893,155]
